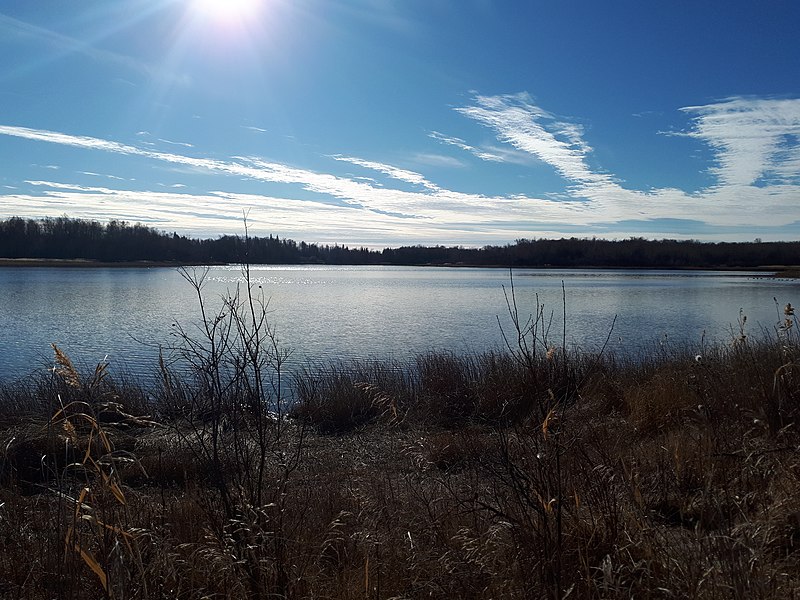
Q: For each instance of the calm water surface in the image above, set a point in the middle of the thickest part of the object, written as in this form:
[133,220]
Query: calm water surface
[327,313]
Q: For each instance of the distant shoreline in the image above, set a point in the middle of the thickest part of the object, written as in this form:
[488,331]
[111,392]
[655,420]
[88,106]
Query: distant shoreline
[780,271]
[88,263]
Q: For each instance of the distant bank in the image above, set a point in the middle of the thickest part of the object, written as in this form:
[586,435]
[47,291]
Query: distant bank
[62,241]
[90,263]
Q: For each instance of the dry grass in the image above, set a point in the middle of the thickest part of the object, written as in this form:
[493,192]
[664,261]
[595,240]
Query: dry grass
[670,478]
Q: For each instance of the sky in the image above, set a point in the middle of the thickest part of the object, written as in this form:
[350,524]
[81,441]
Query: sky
[395,122]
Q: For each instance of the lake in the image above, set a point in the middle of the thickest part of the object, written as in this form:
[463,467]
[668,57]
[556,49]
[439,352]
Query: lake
[330,313]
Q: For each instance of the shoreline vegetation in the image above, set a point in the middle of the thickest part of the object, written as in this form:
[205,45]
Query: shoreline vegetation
[69,242]
[537,472]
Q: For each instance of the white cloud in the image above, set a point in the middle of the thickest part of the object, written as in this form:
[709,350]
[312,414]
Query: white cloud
[389,170]
[438,160]
[756,146]
[93,174]
[526,127]
[69,140]
[754,138]
[69,186]
[510,155]
[184,144]
[459,143]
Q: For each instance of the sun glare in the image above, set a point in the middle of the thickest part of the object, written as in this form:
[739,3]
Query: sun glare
[226,10]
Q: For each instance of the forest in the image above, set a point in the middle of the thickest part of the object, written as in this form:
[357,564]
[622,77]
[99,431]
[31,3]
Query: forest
[120,241]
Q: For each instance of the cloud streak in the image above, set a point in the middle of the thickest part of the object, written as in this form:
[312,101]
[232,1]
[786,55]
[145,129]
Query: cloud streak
[754,139]
[393,172]
[459,143]
[530,129]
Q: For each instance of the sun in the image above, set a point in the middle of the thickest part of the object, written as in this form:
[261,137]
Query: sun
[226,10]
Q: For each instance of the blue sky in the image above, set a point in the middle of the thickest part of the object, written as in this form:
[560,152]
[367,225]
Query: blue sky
[388,122]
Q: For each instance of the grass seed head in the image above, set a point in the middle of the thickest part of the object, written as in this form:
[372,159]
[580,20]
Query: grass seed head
[65,369]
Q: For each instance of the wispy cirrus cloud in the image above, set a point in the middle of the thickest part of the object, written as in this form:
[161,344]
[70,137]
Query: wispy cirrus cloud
[519,122]
[66,139]
[147,134]
[431,203]
[459,143]
[438,160]
[172,143]
[93,174]
[755,139]
[389,170]
[68,186]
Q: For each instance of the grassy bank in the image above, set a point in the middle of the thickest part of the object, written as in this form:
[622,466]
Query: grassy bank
[534,473]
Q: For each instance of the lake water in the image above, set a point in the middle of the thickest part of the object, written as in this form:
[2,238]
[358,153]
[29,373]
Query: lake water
[325,313]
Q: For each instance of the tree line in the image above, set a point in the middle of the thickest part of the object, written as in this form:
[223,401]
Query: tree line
[120,241]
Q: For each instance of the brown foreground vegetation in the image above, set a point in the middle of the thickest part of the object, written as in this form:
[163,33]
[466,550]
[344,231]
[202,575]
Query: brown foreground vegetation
[533,473]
